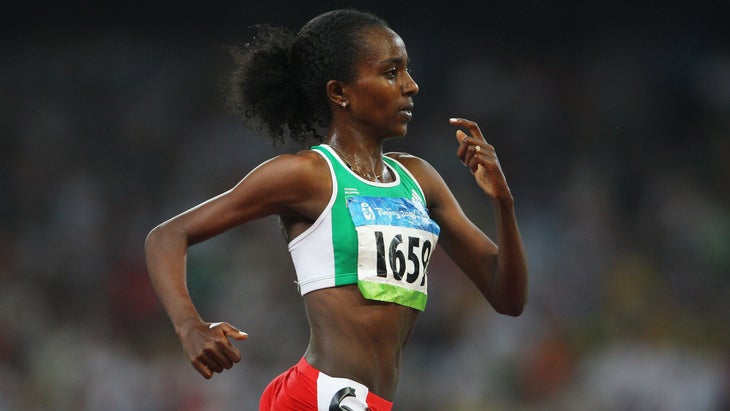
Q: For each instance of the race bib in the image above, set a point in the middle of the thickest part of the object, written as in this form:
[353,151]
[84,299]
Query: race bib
[396,238]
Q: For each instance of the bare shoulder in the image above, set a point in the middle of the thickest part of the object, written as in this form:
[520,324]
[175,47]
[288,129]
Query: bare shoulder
[420,168]
[303,171]
[428,178]
[288,184]
[304,161]
[414,164]
[402,155]
[306,166]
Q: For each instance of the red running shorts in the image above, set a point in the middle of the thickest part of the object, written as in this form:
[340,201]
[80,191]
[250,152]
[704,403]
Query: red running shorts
[304,388]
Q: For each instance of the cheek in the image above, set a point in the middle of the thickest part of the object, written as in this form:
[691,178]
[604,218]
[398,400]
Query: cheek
[373,106]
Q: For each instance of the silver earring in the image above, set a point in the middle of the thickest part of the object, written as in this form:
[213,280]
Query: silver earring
[344,104]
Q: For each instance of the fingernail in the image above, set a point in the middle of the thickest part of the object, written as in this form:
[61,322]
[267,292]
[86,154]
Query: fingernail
[453,119]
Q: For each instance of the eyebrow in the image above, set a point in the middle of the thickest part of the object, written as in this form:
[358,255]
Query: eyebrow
[394,60]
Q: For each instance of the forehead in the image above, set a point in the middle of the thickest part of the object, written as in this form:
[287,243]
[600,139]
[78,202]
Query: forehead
[382,43]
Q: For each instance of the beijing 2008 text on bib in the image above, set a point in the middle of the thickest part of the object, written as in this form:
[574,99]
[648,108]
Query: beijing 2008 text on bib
[396,238]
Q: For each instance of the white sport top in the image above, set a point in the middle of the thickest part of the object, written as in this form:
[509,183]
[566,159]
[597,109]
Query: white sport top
[376,235]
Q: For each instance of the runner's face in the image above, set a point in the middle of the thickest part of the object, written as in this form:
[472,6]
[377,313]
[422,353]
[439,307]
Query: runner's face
[381,97]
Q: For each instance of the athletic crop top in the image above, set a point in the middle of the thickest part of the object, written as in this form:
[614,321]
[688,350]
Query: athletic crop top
[376,235]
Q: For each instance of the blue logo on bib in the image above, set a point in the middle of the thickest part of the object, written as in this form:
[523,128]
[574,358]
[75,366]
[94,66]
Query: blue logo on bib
[400,212]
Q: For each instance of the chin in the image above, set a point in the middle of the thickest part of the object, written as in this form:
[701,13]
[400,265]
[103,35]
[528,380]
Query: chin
[398,131]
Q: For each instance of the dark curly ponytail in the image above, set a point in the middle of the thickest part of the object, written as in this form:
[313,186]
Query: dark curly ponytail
[278,86]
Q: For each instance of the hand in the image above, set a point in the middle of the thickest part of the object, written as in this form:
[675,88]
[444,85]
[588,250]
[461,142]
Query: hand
[475,153]
[208,347]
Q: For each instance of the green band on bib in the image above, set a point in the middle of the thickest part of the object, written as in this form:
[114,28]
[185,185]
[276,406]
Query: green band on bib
[392,293]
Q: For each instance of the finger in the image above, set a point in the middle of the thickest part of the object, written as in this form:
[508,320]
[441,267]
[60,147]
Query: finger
[468,148]
[463,140]
[214,360]
[221,354]
[229,350]
[233,332]
[471,126]
[470,157]
[474,163]
[202,369]
[224,354]
[232,353]
[460,136]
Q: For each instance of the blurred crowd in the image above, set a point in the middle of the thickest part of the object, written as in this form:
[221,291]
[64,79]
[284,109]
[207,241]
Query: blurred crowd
[616,147]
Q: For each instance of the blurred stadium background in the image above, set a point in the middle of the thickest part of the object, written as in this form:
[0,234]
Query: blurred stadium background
[612,122]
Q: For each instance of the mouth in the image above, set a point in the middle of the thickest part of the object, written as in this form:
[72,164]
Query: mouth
[406,110]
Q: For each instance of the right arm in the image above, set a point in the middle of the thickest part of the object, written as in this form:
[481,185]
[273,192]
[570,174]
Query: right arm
[285,185]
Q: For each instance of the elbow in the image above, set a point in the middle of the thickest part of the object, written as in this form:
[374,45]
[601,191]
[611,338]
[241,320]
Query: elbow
[151,240]
[512,299]
[155,239]
[163,240]
[512,308]
[514,311]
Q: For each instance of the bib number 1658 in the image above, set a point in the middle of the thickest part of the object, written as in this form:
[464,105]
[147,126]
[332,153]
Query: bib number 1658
[402,257]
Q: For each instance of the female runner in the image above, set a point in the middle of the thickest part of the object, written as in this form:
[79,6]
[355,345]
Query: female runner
[360,225]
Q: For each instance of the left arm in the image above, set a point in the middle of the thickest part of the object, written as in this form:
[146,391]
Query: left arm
[498,270]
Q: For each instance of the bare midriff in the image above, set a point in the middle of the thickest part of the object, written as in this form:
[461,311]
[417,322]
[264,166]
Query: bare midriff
[359,339]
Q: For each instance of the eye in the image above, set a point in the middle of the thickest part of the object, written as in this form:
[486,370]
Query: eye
[391,73]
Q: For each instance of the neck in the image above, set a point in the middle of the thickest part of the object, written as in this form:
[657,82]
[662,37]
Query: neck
[363,157]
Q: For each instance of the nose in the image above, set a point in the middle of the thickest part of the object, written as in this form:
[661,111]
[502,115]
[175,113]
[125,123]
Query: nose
[410,87]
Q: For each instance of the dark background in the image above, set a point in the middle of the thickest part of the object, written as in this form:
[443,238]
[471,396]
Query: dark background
[612,123]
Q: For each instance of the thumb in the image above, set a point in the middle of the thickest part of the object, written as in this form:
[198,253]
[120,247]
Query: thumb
[460,136]
[233,332]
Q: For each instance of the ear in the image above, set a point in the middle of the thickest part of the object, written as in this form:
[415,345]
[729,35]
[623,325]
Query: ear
[336,93]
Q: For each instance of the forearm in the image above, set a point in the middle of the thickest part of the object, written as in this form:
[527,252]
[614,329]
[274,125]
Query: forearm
[166,253]
[510,279]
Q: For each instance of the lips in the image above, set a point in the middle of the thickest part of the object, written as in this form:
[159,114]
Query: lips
[407,110]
